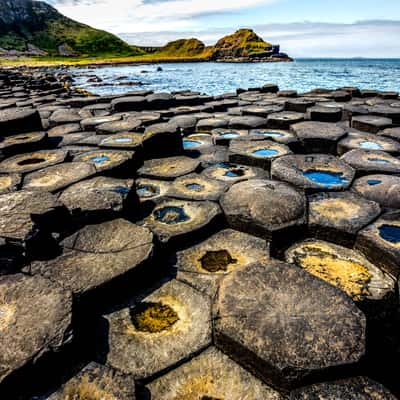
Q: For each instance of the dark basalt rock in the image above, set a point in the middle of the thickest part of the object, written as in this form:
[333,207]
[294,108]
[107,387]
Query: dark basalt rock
[57,177]
[22,143]
[314,172]
[208,124]
[151,191]
[97,198]
[96,255]
[9,182]
[383,189]
[247,122]
[97,382]
[367,141]
[159,330]
[261,110]
[168,168]
[371,289]
[14,121]
[380,242]
[264,208]
[126,140]
[161,140]
[196,187]
[258,153]
[35,319]
[233,173]
[28,162]
[222,137]
[298,328]
[131,103]
[61,130]
[372,162]
[370,123]
[392,133]
[284,119]
[205,265]
[346,389]
[118,126]
[279,136]
[90,124]
[159,101]
[195,144]
[318,137]
[337,216]
[299,105]
[60,117]
[325,114]
[186,123]
[211,375]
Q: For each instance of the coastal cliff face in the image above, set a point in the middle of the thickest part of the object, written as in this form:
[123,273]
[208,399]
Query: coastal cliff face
[35,27]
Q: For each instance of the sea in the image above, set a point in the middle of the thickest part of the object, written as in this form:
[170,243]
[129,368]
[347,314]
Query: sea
[216,78]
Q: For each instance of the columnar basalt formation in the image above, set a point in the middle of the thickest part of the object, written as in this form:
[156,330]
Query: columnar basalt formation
[184,246]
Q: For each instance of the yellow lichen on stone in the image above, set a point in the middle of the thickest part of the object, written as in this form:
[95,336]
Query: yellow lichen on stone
[216,261]
[5,181]
[199,388]
[86,390]
[153,317]
[348,275]
[335,208]
[7,312]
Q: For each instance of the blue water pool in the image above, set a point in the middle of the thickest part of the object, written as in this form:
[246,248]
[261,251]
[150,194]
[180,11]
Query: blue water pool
[367,144]
[373,182]
[194,186]
[379,160]
[100,159]
[265,152]
[188,144]
[146,191]
[391,233]
[326,178]
[171,215]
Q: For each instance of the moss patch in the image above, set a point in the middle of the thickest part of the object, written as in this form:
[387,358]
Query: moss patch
[153,317]
[216,261]
[86,390]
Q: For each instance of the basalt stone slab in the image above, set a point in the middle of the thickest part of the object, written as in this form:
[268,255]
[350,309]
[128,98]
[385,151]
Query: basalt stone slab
[57,177]
[383,189]
[90,124]
[392,133]
[314,172]
[125,125]
[318,137]
[131,103]
[262,110]
[284,119]
[115,162]
[386,111]
[299,105]
[372,162]
[96,255]
[380,242]
[247,122]
[338,216]
[186,123]
[258,153]
[208,124]
[214,155]
[264,208]
[370,288]
[35,319]
[28,162]
[232,173]
[22,143]
[211,375]
[9,182]
[14,121]
[195,144]
[124,140]
[222,137]
[367,141]
[97,198]
[60,117]
[347,389]
[151,191]
[299,327]
[196,187]
[279,136]
[168,168]
[341,96]
[370,123]
[159,101]
[180,220]
[159,330]
[161,140]
[61,130]
[325,114]
[97,381]
[205,265]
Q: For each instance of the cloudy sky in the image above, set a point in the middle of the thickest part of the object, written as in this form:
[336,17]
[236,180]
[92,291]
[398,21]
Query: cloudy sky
[304,28]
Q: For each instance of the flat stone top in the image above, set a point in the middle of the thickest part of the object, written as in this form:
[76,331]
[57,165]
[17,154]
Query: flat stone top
[318,130]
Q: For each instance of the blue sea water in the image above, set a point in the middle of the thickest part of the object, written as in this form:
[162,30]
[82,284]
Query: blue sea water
[216,78]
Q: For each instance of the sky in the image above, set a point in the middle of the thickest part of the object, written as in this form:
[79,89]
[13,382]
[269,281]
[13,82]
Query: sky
[303,28]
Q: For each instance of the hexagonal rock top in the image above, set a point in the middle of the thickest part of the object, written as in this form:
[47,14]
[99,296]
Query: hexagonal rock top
[97,381]
[180,219]
[204,266]
[35,318]
[232,173]
[97,254]
[354,388]
[159,330]
[284,324]
[262,207]
[211,375]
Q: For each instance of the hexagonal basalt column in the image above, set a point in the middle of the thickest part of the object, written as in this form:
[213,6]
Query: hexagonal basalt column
[159,330]
[180,220]
[223,137]
[126,141]
[264,208]
[211,375]
[97,382]
[371,289]
[325,114]
[35,318]
[339,216]
[370,123]
[318,137]
[279,136]
[161,140]
[314,172]
[258,153]
[284,119]
[353,388]
[203,266]
[98,254]
[384,189]
[9,182]
[380,242]
[22,143]
[285,325]
[15,121]
[233,173]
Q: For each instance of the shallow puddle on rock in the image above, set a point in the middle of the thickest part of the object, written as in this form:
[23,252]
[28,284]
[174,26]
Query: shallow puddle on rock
[120,189]
[123,140]
[234,173]
[391,233]
[267,133]
[30,161]
[265,152]
[187,144]
[367,144]
[326,178]
[373,182]
[146,191]
[171,215]
[100,159]
[229,135]
[194,186]
[379,160]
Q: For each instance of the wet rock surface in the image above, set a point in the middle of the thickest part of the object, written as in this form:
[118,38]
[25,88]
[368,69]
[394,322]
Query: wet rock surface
[141,232]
